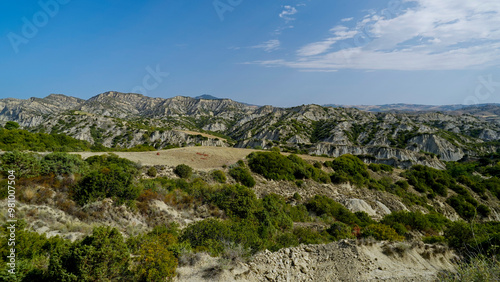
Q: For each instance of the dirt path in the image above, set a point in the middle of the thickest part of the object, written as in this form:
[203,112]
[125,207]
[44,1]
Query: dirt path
[199,158]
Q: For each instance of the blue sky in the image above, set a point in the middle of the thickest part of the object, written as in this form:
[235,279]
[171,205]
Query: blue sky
[277,52]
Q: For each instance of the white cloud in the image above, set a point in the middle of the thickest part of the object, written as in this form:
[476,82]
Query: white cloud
[269,46]
[347,19]
[287,13]
[428,35]
[316,48]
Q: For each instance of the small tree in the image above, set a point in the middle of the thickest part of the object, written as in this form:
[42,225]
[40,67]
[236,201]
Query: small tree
[219,176]
[183,171]
[152,172]
[11,125]
[155,261]
[242,175]
[102,256]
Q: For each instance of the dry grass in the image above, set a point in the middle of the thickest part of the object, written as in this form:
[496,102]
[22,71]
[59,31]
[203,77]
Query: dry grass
[476,270]
[200,158]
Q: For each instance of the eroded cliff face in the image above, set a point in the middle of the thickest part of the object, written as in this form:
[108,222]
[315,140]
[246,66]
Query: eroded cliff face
[340,261]
[126,120]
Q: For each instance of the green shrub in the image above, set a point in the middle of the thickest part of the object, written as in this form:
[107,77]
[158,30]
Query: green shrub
[24,164]
[113,182]
[11,125]
[322,205]
[183,171]
[62,164]
[102,256]
[349,168]
[276,211]
[339,230]
[235,200]
[155,262]
[208,234]
[416,221]
[472,239]
[219,176]
[433,239]
[364,218]
[285,240]
[465,209]
[32,253]
[242,175]
[275,166]
[350,165]
[299,213]
[374,167]
[477,269]
[308,236]
[483,210]
[427,179]
[381,232]
[18,139]
[152,172]
[403,184]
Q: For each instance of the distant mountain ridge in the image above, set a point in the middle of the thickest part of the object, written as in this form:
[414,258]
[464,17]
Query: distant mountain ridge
[403,136]
[402,107]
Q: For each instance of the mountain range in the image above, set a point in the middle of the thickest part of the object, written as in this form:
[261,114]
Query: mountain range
[397,134]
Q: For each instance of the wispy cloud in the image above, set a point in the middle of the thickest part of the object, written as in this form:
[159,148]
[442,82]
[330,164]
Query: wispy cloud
[425,35]
[316,48]
[287,13]
[269,46]
[347,19]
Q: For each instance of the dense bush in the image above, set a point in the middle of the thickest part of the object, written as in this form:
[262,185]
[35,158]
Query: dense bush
[112,182]
[219,176]
[416,221]
[208,235]
[276,212]
[32,253]
[102,256]
[242,175]
[349,168]
[18,139]
[113,177]
[380,167]
[483,210]
[152,172]
[11,125]
[24,164]
[429,180]
[155,262]
[322,205]
[275,166]
[235,200]
[62,164]
[183,171]
[472,239]
[364,218]
[463,207]
[381,232]
[339,230]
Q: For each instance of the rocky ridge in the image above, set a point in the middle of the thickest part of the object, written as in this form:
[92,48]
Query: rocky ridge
[402,139]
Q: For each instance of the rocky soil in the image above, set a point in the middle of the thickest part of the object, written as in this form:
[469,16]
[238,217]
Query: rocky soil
[346,260]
